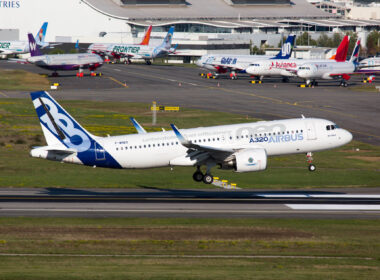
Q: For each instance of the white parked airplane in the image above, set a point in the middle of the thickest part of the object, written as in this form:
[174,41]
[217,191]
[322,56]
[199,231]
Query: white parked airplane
[241,147]
[287,68]
[146,52]
[21,47]
[101,48]
[222,63]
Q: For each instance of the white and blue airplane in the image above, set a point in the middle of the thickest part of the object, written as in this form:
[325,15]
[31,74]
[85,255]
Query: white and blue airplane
[146,52]
[241,147]
[222,63]
[21,47]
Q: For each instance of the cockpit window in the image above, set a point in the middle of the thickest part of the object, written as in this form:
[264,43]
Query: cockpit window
[331,127]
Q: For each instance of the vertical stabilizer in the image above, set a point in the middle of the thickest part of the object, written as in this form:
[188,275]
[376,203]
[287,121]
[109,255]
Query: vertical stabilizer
[355,53]
[287,48]
[167,43]
[146,38]
[342,50]
[40,36]
[33,47]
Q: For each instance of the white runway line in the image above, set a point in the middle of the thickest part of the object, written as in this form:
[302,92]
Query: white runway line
[117,70]
[320,195]
[323,207]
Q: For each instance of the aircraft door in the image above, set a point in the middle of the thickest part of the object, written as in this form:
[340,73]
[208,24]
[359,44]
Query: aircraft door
[310,131]
[99,152]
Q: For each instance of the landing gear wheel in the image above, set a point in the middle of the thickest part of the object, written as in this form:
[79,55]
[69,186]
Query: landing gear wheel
[285,80]
[148,62]
[198,176]
[312,167]
[208,179]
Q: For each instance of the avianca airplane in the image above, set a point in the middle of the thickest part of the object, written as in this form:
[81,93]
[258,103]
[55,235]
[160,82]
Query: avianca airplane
[20,47]
[145,52]
[284,67]
[241,147]
[222,63]
[329,70]
[101,49]
[63,62]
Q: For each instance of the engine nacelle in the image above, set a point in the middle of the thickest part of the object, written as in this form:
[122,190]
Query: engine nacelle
[249,160]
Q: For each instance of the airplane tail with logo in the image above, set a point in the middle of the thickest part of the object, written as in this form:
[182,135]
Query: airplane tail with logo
[287,48]
[33,47]
[146,38]
[167,43]
[342,50]
[40,36]
[355,54]
[67,140]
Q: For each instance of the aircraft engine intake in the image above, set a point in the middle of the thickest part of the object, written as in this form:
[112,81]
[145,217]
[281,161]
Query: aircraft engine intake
[249,160]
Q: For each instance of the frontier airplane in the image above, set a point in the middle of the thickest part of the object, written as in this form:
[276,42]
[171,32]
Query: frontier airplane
[21,47]
[241,147]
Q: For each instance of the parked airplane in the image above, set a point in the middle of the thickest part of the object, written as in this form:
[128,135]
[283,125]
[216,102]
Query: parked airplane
[21,47]
[283,67]
[241,147]
[329,70]
[145,52]
[222,63]
[63,62]
[370,65]
[101,49]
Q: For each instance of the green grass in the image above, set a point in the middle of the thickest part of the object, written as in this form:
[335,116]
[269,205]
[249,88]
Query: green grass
[352,248]
[20,130]
[22,80]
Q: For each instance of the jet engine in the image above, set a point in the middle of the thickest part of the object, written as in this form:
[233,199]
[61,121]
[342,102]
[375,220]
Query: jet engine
[249,160]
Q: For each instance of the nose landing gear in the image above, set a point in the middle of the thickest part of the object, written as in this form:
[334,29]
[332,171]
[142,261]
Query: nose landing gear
[309,157]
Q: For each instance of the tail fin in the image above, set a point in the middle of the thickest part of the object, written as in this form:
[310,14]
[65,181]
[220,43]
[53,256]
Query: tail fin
[40,36]
[146,38]
[33,47]
[355,53]
[167,43]
[341,52]
[58,126]
[287,48]
[77,45]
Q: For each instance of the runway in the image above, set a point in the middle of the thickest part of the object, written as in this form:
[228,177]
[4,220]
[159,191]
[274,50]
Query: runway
[350,108]
[155,203]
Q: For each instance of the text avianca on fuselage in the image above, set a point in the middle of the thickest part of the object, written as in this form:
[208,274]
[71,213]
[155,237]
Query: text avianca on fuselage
[20,47]
[63,62]
[222,63]
[241,147]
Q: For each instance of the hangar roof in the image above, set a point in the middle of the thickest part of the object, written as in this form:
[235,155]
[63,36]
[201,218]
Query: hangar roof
[206,9]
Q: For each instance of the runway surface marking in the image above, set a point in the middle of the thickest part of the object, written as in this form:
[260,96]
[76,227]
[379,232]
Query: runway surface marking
[311,208]
[184,256]
[366,134]
[319,195]
[271,99]
[3,94]
[343,207]
[118,82]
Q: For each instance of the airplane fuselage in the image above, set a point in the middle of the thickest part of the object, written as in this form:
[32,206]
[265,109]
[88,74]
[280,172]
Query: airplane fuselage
[159,149]
[67,61]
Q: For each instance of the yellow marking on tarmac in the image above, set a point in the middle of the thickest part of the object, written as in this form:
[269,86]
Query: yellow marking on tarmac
[363,133]
[274,100]
[3,94]
[118,82]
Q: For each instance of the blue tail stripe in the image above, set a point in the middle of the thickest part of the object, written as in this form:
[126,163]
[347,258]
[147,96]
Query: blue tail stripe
[76,136]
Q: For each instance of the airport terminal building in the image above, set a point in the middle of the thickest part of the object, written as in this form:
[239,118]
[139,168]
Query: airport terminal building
[201,26]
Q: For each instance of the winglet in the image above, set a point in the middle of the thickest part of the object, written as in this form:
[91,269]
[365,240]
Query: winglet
[138,127]
[180,136]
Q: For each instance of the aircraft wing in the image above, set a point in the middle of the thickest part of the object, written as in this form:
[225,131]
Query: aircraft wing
[200,151]
[233,67]
[18,60]
[6,52]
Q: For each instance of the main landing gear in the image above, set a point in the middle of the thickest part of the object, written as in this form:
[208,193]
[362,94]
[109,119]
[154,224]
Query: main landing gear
[198,176]
[343,83]
[309,157]
[148,62]
[312,83]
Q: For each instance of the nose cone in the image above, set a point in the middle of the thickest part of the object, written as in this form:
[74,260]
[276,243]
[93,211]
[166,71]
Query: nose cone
[251,70]
[199,62]
[302,74]
[346,136]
